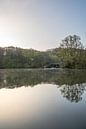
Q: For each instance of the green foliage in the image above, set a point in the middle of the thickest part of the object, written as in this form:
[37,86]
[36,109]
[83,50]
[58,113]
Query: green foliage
[12,57]
[72,52]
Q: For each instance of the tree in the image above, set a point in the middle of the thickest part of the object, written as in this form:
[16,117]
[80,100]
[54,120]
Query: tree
[72,42]
[71,51]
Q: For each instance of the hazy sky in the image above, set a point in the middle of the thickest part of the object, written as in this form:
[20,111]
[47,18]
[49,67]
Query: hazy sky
[41,24]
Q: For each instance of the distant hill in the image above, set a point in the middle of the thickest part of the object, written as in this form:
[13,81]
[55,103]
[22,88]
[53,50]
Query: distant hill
[14,57]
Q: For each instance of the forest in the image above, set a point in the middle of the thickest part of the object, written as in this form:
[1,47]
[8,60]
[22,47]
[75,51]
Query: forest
[70,54]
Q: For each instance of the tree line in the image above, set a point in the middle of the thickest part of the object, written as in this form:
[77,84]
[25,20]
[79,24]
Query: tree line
[70,54]
[71,83]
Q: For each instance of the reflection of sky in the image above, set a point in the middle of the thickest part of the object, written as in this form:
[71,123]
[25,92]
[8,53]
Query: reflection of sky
[26,104]
[40,24]
[39,107]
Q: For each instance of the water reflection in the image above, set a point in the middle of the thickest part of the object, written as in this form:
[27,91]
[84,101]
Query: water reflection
[71,82]
[73,93]
[37,99]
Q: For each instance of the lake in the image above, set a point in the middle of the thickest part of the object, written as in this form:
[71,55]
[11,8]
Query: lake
[42,99]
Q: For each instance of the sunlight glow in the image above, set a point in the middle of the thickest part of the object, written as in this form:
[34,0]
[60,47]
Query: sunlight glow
[6,33]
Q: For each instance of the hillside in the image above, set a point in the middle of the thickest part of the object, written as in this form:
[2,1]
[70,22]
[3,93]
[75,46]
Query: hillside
[70,54]
[13,57]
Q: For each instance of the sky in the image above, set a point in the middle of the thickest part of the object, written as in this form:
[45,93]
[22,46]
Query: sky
[41,24]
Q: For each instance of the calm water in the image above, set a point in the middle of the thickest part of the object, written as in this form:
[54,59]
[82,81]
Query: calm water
[43,99]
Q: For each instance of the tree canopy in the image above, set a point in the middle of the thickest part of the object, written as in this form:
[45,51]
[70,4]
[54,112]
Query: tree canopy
[72,42]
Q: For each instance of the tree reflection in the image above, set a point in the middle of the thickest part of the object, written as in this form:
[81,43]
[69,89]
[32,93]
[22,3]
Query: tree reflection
[73,93]
[71,82]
